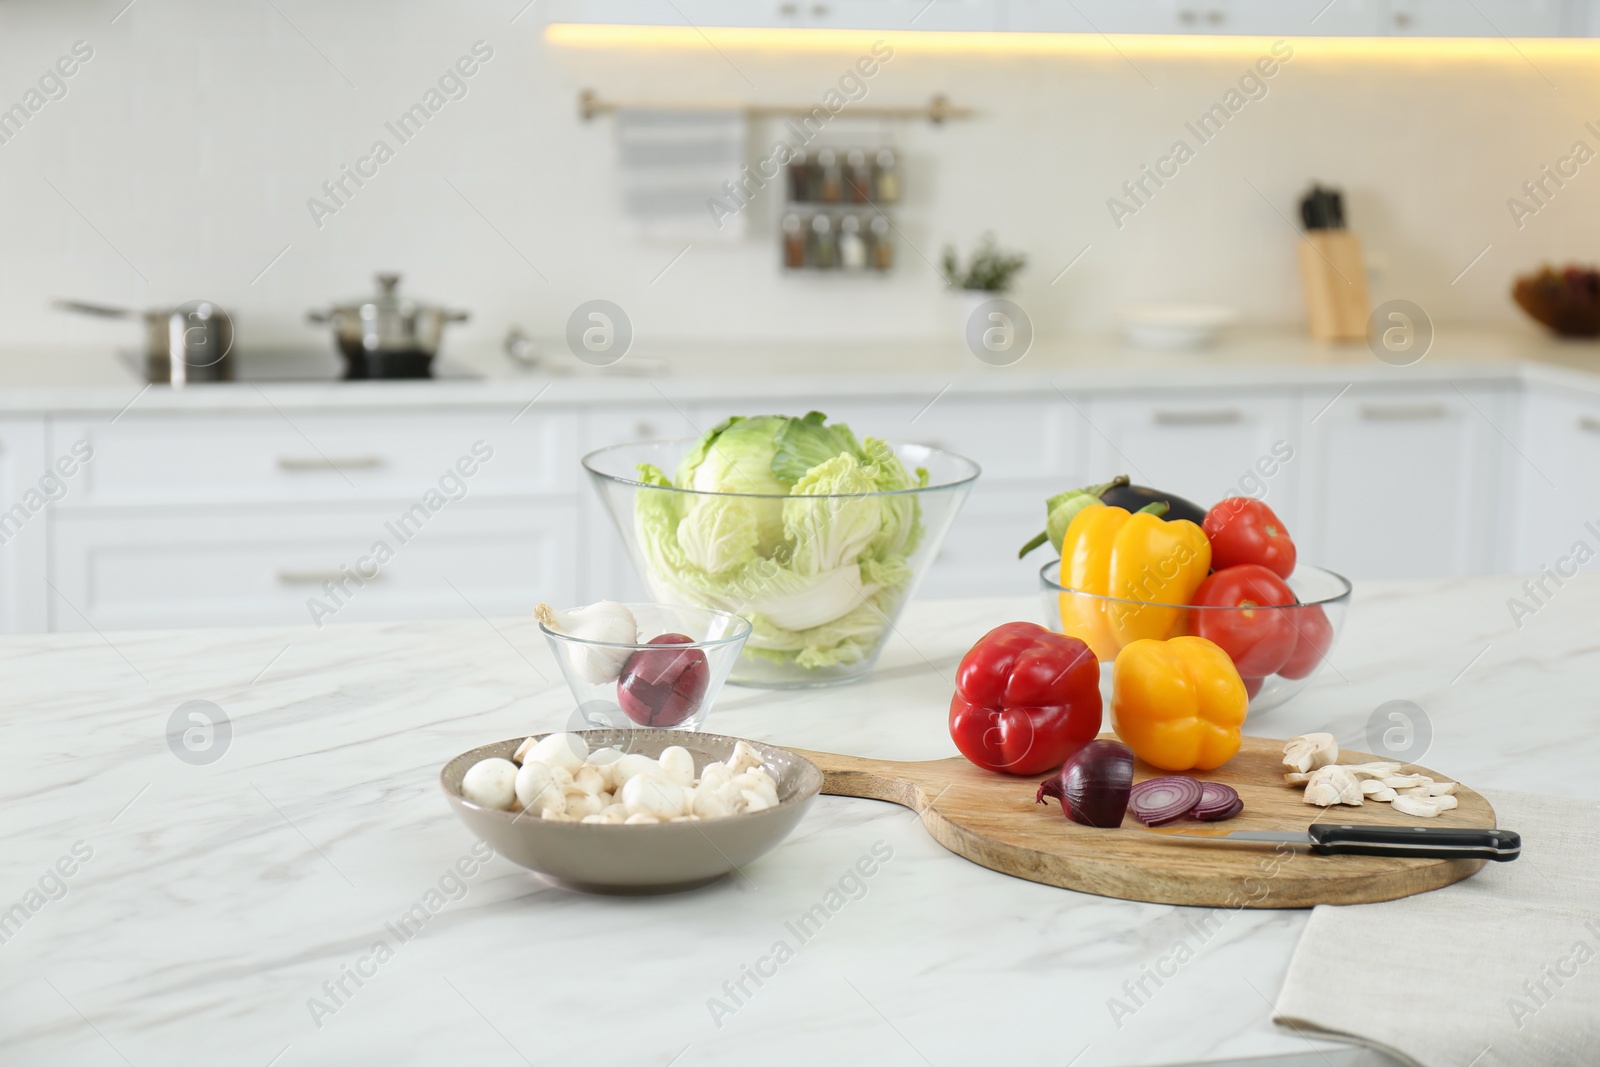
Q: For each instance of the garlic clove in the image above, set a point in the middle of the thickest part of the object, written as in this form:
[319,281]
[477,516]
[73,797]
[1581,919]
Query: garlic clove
[491,783]
[606,622]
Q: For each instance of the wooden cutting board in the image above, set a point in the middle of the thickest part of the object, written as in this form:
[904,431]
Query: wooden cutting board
[993,820]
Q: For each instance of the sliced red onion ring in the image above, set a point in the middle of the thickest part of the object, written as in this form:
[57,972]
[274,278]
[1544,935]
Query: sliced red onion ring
[1160,800]
[1217,802]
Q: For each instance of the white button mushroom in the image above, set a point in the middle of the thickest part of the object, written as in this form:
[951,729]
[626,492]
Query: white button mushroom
[491,783]
[713,803]
[678,765]
[567,751]
[715,775]
[649,795]
[532,780]
[640,819]
[631,765]
[582,804]
[744,757]
[590,779]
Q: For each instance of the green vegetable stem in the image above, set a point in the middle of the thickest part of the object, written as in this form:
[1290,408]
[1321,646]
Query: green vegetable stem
[1062,508]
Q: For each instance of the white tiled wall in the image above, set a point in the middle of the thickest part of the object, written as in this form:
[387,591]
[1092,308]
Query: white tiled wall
[180,161]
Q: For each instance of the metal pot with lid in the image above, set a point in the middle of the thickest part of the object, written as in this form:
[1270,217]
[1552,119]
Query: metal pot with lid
[388,335]
[192,342]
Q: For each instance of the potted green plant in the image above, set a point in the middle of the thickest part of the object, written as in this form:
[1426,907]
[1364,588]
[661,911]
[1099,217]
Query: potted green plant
[988,274]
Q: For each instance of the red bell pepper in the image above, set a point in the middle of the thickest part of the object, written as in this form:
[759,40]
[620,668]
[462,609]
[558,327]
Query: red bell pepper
[1026,698]
[1243,530]
[1258,636]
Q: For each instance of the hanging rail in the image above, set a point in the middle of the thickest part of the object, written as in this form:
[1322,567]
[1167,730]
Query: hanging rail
[937,111]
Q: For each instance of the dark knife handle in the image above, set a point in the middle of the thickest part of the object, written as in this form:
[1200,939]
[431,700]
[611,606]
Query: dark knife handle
[1421,842]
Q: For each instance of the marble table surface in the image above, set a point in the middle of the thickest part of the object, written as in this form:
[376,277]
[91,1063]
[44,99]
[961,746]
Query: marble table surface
[156,911]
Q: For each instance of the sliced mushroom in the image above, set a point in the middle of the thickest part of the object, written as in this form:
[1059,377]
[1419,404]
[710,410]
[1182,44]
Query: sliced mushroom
[1445,802]
[1372,770]
[1332,785]
[1420,807]
[1296,778]
[1415,791]
[1406,781]
[1373,788]
[1310,751]
[1384,795]
[1441,789]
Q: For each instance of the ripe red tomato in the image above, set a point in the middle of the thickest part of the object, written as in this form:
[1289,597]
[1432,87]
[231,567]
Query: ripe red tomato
[1313,638]
[1243,530]
[1257,636]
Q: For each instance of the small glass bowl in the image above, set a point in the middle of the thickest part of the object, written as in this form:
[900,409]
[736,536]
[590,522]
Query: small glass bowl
[660,686]
[1323,596]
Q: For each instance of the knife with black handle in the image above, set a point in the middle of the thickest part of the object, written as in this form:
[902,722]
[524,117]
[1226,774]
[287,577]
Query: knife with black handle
[1417,842]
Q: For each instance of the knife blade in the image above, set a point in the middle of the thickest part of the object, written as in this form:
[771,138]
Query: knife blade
[1344,839]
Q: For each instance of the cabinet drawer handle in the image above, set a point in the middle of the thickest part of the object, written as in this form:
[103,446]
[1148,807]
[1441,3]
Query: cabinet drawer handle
[1403,412]
[319,577]
[1589,424]
[1198,418]
[322,463]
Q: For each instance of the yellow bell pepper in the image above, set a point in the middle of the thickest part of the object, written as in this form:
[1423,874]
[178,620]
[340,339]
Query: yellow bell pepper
[1138,557]
[1178,704]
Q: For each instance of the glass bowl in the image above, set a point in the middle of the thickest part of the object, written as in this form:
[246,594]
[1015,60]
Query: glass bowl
[1316,621]
[660,686]
[826,576]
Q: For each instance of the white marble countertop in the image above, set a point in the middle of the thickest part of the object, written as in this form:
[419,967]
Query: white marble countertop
[206,905]
[82,381]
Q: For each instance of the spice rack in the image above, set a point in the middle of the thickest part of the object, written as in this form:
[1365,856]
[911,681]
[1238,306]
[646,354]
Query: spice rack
[838,209]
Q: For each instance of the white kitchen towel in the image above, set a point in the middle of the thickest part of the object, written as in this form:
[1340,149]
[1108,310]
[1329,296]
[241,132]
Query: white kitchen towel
[674,166]
[1499,970]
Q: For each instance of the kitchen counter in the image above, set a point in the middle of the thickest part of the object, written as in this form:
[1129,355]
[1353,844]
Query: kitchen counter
[96,381]
[208,904]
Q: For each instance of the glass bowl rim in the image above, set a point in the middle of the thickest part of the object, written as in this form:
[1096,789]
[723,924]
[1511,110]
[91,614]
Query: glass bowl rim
[742,629]
[967,480]
[1051,585]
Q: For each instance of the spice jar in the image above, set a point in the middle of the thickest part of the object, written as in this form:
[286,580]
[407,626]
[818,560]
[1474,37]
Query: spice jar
[830,182]
[852,246]
[882,247]
[801,186]
[888,177]
[794,242]
[858,175]
[824,245]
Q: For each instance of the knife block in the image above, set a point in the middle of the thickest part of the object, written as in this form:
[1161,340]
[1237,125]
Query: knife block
[1335,283]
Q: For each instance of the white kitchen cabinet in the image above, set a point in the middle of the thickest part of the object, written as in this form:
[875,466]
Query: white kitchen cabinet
[1479,18]
[295,456]
[31,485]
[1202,446]
[1557,506]
[1404,482]
[188,566]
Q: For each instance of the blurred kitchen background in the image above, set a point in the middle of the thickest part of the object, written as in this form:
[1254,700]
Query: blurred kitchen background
[179,162]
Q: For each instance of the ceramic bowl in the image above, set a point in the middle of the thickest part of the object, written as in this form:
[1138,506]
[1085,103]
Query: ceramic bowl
[659,858]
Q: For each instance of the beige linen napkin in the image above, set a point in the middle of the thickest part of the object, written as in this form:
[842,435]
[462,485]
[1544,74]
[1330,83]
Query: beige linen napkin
[1499,970]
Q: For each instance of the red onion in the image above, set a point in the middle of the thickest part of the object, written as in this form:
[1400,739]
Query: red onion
[1217,802]
[1093,785]
[1160,800]
[663,687]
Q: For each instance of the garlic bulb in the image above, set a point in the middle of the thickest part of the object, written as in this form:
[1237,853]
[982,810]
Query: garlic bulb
[605,621]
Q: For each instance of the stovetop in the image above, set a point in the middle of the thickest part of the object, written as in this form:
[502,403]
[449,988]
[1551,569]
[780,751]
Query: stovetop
[302,365]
